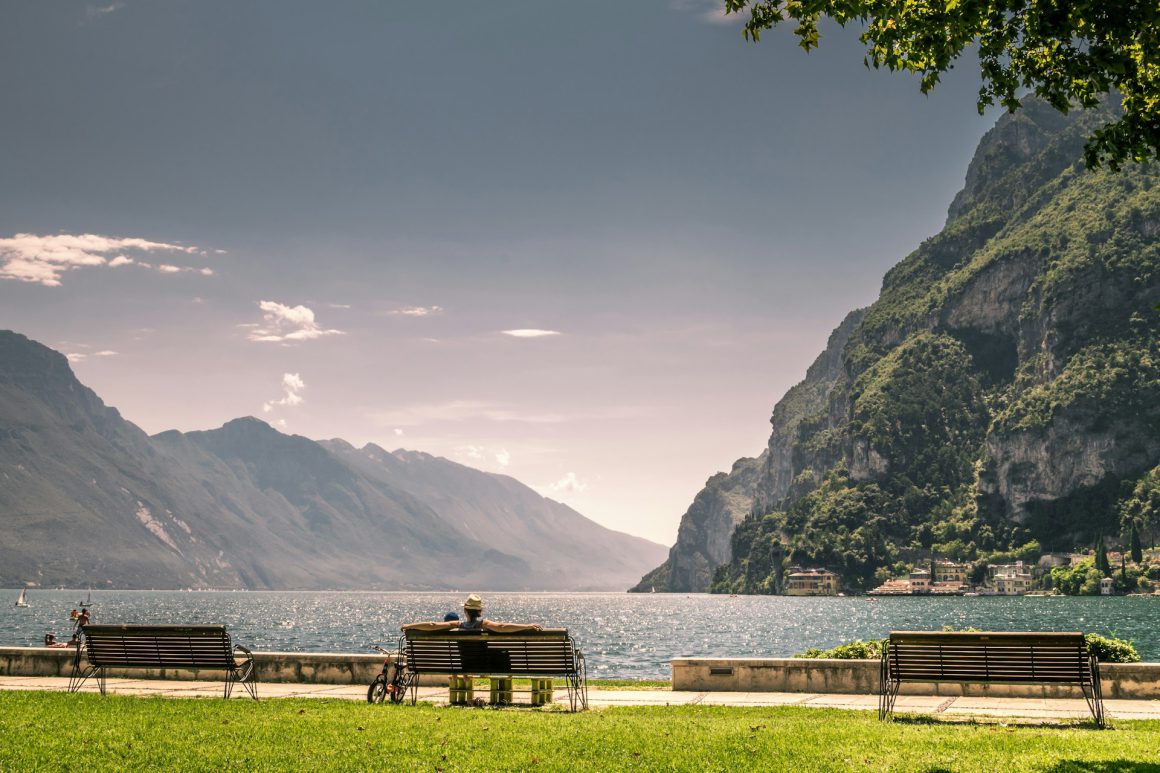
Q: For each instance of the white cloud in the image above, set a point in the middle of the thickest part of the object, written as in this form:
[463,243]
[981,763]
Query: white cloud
[166,268]
[711,11]
[82,356]
[43,259]
[399,432]
[292,387]
[569,484]
[485,457]
[206,272]
[416,311]
[530,333]
[282,324]
[458,411]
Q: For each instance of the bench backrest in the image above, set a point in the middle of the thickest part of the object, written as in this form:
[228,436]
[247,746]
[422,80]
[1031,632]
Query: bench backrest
[928,656]
[551,652]
[185,646]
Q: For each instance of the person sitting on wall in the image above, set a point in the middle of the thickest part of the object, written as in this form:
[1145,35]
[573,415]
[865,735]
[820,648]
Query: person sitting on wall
[474,621]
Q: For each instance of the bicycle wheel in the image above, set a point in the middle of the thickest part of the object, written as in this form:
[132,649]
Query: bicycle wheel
[397,690]
[377,692]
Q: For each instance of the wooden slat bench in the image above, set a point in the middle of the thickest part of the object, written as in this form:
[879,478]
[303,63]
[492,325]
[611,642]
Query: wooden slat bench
[550,653]
[989,658]
[163,646]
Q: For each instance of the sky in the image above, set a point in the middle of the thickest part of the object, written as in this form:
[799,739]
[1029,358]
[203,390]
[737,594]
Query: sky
[588,245]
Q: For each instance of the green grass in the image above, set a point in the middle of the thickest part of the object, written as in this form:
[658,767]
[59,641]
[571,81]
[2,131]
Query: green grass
[60,732]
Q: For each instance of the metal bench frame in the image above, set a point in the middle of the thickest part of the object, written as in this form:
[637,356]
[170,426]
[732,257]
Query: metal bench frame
[162,646]
[550,653]
[989,658]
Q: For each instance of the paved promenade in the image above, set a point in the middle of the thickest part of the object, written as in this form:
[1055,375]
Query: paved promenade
[1033,709]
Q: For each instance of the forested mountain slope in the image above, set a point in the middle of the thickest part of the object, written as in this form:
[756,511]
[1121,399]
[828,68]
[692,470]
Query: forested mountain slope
[1001,396]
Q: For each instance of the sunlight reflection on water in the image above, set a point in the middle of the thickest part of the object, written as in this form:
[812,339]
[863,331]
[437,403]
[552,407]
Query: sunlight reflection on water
[622,635]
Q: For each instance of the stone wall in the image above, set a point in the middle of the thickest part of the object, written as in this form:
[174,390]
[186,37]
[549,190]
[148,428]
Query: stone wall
[301,667]
[1120,680]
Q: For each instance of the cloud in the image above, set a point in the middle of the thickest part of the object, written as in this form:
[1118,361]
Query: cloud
[82,356]
[416,311]
[709,11]
[283,324]
[530,333]
[569,484]
[43,259]
[292,387]
[399,432]
[489,457]
[458,411]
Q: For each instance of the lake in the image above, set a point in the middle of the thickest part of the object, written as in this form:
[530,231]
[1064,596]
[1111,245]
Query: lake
[622,635]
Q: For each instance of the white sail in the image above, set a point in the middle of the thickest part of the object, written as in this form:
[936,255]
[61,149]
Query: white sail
[22,601]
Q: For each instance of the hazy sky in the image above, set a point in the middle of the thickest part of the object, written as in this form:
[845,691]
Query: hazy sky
[586,244]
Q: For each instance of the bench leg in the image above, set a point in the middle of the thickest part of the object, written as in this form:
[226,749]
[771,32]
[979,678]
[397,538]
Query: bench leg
[80,676]
[1094,695]
[888,689]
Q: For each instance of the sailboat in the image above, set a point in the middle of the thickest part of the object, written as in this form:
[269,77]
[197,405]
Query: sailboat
[23,600]
[88,602]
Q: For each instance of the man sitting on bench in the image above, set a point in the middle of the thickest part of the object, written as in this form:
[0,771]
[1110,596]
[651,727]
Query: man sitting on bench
[474,621]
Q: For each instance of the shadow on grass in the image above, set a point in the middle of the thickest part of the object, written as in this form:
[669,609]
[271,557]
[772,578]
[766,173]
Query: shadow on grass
[1106,766]
[926,719]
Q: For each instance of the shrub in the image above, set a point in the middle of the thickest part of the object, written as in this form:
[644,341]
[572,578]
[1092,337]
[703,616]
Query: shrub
[1111,650]
[855,650]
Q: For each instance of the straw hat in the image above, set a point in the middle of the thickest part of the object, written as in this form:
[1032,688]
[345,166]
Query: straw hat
[474,602]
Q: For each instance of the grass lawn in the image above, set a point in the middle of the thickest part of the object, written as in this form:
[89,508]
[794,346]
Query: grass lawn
[56,731]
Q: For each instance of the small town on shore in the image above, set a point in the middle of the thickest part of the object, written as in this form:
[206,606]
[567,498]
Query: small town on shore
[1053,574]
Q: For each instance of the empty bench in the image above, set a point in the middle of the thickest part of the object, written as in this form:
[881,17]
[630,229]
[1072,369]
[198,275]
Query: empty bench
[989,658]
[162,646]
[546,654]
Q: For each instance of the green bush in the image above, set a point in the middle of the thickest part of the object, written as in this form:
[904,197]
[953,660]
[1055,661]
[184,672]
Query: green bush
[1110,650]
[1106,649]
[855,650]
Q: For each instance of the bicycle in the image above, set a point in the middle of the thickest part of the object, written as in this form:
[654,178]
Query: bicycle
[392,681]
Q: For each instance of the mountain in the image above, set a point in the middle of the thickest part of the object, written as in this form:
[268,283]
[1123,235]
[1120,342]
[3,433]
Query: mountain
[88,498]
[999,399]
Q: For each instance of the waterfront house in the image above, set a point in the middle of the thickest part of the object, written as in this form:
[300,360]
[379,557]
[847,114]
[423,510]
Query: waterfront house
[1010,579]
[812,582]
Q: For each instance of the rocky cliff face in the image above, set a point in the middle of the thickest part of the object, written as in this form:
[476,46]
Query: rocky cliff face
[1004,390]
[88,498]
[703,540]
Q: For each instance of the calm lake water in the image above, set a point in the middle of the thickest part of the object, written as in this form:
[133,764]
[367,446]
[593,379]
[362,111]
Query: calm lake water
[622,635]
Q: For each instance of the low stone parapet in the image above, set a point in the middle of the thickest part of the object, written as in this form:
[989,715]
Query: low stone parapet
[299,667]
[818,675]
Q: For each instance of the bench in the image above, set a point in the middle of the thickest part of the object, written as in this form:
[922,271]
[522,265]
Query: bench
[546,654]
[163,646]
[989,658]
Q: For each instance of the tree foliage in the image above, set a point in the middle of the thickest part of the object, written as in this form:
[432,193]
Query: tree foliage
[1068,53]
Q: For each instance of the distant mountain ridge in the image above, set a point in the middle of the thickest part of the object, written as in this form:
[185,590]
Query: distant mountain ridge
[86,497]
[1000,398]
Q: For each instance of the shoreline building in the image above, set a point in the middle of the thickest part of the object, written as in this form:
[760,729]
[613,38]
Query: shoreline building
[812,582]
[1010,579]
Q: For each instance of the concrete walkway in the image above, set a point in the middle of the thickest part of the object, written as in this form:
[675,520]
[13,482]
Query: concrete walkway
[1033,709]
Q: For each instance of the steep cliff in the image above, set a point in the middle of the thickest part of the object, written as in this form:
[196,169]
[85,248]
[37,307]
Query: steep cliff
[1003,393]
[703,540]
